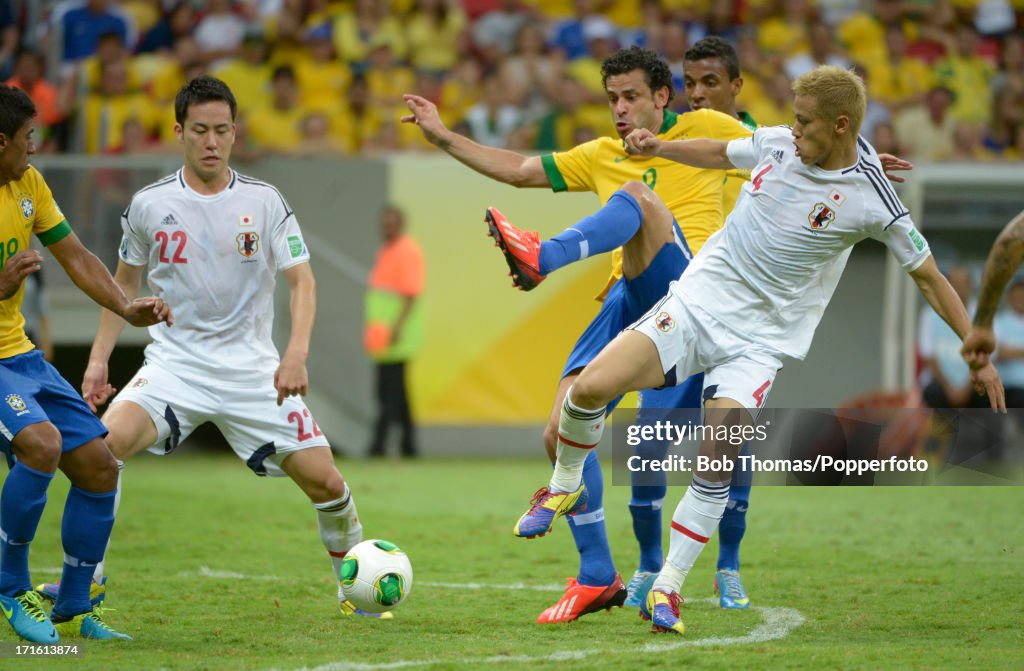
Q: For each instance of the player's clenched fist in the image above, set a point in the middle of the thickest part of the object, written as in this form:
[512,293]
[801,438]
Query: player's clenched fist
[642,142]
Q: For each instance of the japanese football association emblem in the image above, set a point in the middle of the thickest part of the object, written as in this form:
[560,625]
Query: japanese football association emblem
[248,244]
[664,322]
[821,217]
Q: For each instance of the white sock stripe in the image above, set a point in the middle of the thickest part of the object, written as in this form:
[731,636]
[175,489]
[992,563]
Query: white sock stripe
[707,483]
[589,517]
[120,465]
[656,505]
[584,249]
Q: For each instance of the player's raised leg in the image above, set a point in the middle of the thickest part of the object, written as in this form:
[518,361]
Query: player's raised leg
[629,362]
[531,260]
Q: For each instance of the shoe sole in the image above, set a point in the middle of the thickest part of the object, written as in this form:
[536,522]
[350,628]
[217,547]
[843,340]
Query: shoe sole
[520,279]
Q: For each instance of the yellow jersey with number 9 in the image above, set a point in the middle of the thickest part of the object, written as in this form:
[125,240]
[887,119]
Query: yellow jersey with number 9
[694,195]
[26,207]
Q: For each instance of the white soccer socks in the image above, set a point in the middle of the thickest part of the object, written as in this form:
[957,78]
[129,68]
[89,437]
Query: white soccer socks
[339,526]
[579,431]
[693,523]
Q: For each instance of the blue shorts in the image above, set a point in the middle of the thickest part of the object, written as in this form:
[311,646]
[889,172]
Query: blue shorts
[626,302]
[33,391]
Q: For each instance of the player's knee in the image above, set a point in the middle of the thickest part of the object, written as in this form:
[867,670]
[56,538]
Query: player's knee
[588,392]
[103,474]
[325,486]
[38,446]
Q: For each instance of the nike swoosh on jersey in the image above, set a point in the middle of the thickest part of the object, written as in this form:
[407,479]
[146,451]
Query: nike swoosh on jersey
[620,159]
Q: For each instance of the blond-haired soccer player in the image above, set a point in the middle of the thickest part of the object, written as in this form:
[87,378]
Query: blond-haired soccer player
[44,423]
[642,201]
[755,294]
[214,241]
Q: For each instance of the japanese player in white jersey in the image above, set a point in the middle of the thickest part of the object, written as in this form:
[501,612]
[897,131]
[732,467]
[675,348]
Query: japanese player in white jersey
[213,241]
[755,294]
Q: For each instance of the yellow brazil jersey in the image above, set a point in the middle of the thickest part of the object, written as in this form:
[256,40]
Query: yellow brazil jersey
[694,195]
[26,207]
[736,178]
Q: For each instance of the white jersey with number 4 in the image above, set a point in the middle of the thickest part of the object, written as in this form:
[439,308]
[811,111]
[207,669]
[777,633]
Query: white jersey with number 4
[213,259]
[769,273]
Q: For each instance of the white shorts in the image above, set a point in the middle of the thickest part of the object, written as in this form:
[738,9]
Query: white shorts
[260,432]
[690,341]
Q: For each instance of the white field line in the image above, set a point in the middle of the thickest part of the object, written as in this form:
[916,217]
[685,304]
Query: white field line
[776,623]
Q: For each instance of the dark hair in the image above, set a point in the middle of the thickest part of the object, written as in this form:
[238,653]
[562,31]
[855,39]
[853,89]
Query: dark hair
[714,46]
[623,61]
[15,109]
[203,89]
[286,71]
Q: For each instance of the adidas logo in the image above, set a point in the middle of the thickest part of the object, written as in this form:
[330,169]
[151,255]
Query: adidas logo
[777,155]
[169,220]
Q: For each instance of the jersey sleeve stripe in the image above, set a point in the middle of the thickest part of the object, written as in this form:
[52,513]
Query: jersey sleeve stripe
[895,219]
[255,182]
[884,193]
[554,176]
[883,181]
[55,234]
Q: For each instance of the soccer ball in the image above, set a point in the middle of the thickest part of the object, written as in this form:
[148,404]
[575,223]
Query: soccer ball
[375,576]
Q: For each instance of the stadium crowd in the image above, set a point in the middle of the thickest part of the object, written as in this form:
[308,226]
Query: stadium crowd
[325,77]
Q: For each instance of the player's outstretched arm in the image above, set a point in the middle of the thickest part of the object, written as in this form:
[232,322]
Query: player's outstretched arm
[96,387]
[92,277]
[292,377]
[700,153]
[1002,263]
[940,294]
[502,165]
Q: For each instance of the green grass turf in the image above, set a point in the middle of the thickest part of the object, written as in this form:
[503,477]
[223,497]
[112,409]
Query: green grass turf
[885,577]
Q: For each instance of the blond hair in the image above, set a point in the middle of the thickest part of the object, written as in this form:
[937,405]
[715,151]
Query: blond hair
[839,92]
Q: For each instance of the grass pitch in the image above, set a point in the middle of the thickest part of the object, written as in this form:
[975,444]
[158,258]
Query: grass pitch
[213,568]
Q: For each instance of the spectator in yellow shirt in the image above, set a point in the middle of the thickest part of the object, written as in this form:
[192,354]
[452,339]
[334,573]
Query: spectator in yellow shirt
[322,78]
[365,26]
[433,32]
[248,75]
[107,109]
[899,81]
[968,76]
[275,126]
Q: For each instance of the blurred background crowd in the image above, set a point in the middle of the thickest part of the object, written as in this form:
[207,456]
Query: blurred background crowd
[315,77]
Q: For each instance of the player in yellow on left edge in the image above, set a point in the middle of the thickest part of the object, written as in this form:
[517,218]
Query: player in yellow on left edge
[44,423]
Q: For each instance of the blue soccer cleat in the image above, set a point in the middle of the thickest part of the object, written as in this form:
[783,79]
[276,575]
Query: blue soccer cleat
[89,625]
[639,585]
[97,591]
[663,612]
[729,589]
[27,617]
[546,507]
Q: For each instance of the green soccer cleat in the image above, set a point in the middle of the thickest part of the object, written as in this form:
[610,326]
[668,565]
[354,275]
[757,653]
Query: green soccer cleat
[27,617]
[89,625]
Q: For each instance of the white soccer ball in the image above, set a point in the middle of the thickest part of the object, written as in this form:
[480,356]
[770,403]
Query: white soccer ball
[375,576]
